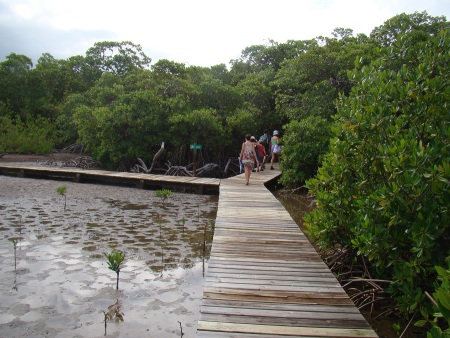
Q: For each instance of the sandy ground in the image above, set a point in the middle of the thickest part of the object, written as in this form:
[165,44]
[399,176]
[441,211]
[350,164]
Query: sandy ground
[54,280]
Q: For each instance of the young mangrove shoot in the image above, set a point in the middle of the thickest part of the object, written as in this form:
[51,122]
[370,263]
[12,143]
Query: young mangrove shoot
[183,220]
[164,194]
[115,259]
[62,191]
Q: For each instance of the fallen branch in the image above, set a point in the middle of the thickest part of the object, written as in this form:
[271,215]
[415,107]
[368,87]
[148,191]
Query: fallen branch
[141,167]
[74,148]
[84,162]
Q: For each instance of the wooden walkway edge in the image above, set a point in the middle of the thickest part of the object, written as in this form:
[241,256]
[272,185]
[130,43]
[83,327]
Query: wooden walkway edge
[264,278]
[196,184]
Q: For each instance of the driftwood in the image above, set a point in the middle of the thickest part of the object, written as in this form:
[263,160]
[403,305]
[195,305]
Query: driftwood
[227,166]
[208,170]
[84,162]
[140,168]
[176,170]
[74,148]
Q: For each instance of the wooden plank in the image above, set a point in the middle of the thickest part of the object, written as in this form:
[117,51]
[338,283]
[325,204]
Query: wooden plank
[308,308]
[261,317]
[298,331]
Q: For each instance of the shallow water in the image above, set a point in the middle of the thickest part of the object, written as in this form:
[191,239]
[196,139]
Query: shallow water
[54,280]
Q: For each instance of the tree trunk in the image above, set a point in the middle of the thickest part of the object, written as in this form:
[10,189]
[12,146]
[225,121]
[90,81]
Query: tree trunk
[158,154]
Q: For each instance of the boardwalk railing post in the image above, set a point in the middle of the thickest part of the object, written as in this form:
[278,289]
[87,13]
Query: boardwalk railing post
[140,184]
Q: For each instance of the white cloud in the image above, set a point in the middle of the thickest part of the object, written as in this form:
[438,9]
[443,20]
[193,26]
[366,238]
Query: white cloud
[196,32]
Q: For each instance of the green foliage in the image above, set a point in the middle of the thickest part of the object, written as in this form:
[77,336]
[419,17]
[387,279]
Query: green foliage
[419,26]
[14,77]
[117,57]
[307,87]
[440,310]
[198,126]
[115,260]
[306,141]
[164,194]
[62,191]
[36,136]
[262,57]
[118,122]
[384,186]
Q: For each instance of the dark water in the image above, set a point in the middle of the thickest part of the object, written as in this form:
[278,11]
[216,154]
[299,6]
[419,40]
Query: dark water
[297,204]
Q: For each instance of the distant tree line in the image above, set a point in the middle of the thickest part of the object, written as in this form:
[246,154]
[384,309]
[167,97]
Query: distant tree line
[364,120]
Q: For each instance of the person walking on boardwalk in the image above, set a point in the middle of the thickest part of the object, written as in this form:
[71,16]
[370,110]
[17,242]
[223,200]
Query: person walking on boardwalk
[260,155]
[276,148]
[265,141]
[253,140]
[247,157]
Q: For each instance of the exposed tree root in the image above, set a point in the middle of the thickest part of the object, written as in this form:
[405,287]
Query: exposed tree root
[353,273]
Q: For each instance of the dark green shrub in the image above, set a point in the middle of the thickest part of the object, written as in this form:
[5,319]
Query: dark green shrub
[32,137]
[384,187]
[305,141]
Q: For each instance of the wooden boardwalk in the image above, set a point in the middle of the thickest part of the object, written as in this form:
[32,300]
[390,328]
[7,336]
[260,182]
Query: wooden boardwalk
[264,278]
[196,184]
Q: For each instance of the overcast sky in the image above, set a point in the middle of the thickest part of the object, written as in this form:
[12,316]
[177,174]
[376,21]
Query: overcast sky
[195,32]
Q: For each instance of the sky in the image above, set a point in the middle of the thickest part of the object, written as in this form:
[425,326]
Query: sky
[193,32]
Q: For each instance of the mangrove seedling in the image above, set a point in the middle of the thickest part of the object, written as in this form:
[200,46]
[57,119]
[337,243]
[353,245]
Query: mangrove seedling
[115,259]
[164,194]
[114,313]
[62,191]
[160,221]
[14,241]
[183,220]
